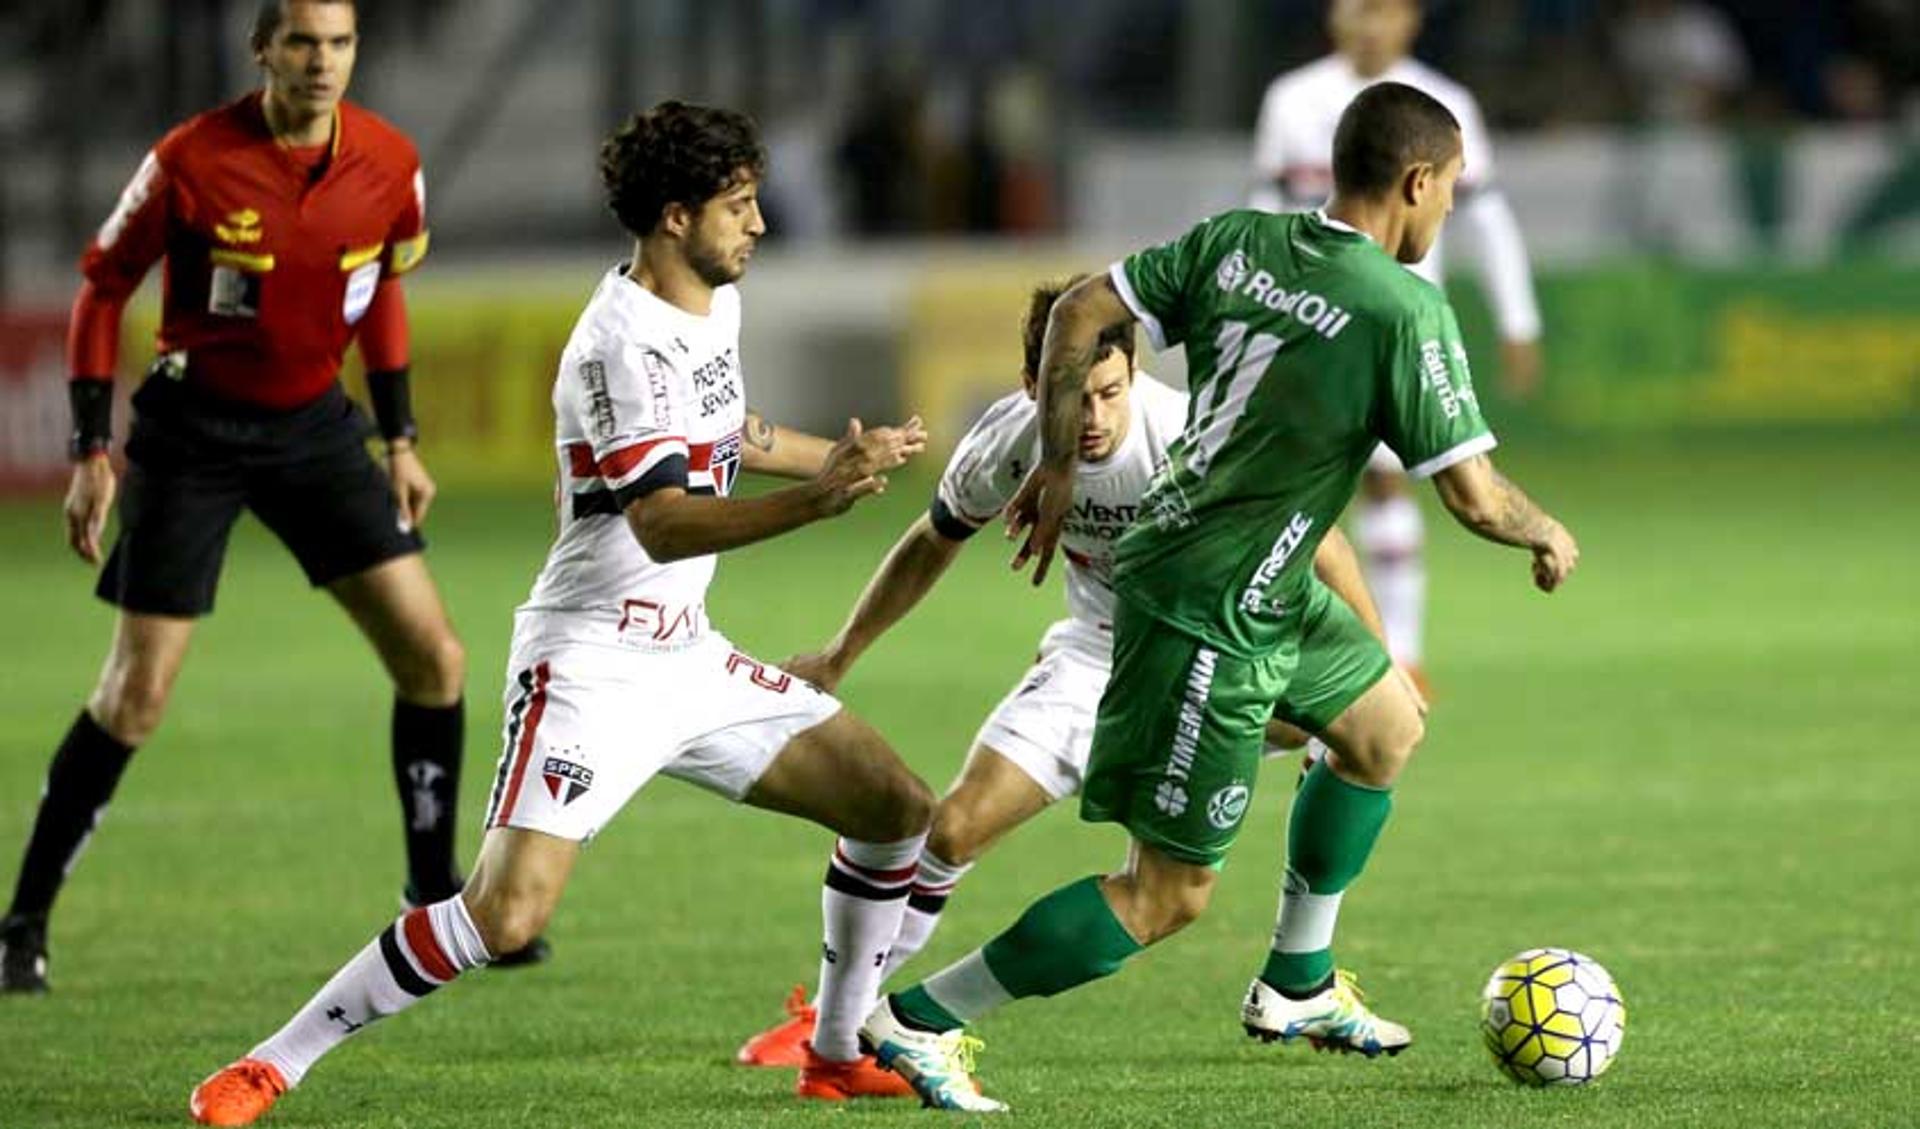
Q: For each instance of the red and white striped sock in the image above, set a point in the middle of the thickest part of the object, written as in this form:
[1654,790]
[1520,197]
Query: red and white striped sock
[933,884]
[865,894]
[424,949]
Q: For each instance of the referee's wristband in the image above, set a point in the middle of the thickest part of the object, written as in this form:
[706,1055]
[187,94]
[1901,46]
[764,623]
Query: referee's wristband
[91,399]
[392,404]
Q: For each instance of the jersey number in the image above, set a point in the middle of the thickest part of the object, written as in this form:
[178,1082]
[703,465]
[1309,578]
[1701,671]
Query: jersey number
[1235,375]
[758,674]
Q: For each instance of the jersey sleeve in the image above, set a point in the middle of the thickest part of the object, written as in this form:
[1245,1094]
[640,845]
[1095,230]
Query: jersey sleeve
[633,404]
[984,472]
[407,238]
[1157,284]
[134,236]
[1431,416]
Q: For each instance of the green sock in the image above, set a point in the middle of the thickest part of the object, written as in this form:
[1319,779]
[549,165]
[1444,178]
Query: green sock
[1063,940]
[1329,836]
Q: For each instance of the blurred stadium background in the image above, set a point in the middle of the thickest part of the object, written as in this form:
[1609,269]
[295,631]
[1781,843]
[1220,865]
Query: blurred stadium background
[1698,762]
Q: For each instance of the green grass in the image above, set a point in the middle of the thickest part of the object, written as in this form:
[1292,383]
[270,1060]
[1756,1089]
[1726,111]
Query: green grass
[1697,764]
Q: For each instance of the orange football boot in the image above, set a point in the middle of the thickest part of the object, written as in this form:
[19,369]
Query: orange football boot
[237,1094]
[829,1081]
[784,1044]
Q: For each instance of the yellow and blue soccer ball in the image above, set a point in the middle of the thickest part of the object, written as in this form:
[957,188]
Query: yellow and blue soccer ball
[1552,1017]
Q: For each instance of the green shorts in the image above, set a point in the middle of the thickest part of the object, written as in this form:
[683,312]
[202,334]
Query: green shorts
[1177,743]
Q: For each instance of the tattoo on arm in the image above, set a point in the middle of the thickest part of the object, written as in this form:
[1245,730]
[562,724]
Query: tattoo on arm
[1518,520]
[1063,380]
[758,432]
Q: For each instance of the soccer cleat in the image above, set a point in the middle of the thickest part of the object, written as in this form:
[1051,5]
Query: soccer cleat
[23,953]
[536,951]
[237,1094]
[939,1067]
[826,1080]
[1336,1019]
[784,1044]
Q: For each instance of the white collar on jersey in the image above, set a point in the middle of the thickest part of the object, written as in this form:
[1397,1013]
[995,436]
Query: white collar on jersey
[1339,225]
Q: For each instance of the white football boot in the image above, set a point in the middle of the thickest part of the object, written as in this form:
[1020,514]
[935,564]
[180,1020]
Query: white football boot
[1336,1019]
[938,1067]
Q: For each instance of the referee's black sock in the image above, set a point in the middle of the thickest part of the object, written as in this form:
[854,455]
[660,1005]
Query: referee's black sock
[426,772]
[80,781]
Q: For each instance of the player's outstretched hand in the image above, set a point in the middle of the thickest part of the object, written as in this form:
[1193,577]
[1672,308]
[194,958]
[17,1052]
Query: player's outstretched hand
[1038,511]
[857,465]
[1555,560]
[89,500]
[413,488]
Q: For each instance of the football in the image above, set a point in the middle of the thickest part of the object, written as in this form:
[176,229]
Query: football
[1552,1017]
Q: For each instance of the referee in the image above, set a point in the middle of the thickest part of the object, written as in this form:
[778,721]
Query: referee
[286,220]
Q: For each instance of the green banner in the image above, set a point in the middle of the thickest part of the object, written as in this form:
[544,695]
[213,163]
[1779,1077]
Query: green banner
[1654,346]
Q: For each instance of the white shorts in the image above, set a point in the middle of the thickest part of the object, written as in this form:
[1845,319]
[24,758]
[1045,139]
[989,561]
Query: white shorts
[1045,725]
[587,725]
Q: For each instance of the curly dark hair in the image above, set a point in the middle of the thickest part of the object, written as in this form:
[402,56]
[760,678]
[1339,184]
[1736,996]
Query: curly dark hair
[676,153]
[1033,328]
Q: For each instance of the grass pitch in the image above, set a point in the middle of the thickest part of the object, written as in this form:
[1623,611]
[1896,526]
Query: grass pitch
[1697,764]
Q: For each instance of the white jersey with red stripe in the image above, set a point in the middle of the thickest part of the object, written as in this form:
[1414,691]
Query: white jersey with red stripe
[1004,444]
[647,396]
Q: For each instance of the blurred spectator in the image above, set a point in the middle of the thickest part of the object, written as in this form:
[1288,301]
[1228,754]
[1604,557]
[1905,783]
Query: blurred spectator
[1683,60]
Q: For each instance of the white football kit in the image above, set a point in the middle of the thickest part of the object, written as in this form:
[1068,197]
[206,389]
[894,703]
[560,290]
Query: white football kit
[1045,724]
[615,672]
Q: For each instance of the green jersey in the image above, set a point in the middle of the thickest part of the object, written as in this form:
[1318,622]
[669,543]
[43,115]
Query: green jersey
[1307,345]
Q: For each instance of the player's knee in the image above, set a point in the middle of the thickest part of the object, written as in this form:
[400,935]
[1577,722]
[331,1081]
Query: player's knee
[958,834]
[510,920]
[129,703]
[901,807]
[436,673]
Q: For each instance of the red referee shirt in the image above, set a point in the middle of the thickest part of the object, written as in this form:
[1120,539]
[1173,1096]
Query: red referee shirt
[269,268]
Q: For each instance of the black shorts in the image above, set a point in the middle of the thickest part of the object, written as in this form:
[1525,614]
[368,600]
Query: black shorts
[194,461]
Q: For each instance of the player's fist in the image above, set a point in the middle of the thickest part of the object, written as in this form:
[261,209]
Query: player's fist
[1555,558]
[413,488]
[857,465]
[89,500]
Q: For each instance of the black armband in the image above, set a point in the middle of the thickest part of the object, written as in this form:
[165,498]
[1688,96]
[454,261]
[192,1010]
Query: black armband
[92,403]
[392,404]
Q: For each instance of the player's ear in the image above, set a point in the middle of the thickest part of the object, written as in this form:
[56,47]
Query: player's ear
[1416,182]
[676,219]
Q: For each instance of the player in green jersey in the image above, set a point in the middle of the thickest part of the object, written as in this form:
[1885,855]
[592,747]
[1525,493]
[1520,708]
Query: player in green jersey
[1307,343]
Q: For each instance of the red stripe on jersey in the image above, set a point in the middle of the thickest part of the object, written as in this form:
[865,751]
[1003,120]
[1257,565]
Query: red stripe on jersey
[619,464]
[888,877]
[699,456]
[580,462]
[426,949]
[536,705]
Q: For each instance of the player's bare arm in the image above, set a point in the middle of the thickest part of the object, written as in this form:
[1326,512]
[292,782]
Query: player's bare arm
[672,524]
[89,500]
[1489,505]
[1071,347]
[911,569]
[771,448]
